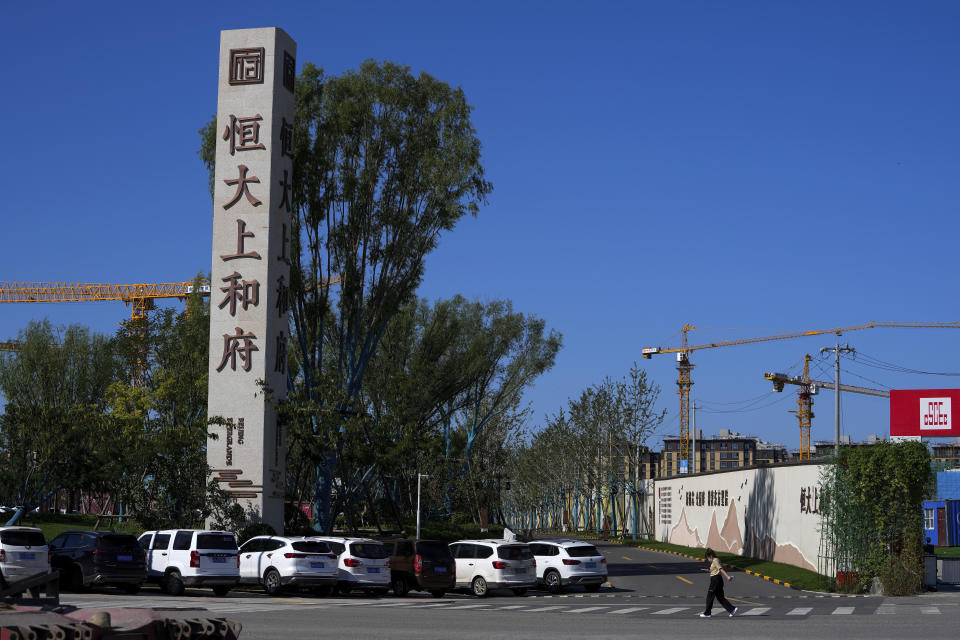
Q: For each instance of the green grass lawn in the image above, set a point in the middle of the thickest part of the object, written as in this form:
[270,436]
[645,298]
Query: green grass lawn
[947,552]
[52,524]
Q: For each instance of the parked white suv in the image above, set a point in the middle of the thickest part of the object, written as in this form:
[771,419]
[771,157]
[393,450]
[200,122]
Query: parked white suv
[564,562]
[363,564]
[278,561]
[23,553]
[494,564]
[179,558]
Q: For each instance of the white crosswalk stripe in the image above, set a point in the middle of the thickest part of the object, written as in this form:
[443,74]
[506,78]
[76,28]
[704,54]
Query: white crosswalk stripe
[887,609]
[800,611]
[461,607]
[756,611]
[667,612]
[512,606]
[586,609]
[930,610]
[542,609]
[630,610]
[842,611]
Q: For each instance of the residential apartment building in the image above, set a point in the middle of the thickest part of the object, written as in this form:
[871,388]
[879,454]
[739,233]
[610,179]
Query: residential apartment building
[947,454]
[725,450]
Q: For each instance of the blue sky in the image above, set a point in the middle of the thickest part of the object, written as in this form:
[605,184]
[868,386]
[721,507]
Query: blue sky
[740,166]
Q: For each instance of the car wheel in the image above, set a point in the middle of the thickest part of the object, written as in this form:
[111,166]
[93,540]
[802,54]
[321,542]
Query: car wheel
[479,586]
[400,586]
[221,589]
[343,588]
[323,591]
[592,588]
[132,589]
[553,582]
[520,591]
[75,580]
[271,582]
[173,584]
[437,593]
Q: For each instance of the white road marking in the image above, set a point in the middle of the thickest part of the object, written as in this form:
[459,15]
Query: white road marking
[460,607]
[585,609]
[756,611]
[543,609]
[512,606]
[843,611]
[629,609]
[930,610]
[666,612]
[800,611]
[887,609]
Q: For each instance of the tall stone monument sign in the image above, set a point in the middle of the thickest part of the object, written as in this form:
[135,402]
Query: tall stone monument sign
[251,269]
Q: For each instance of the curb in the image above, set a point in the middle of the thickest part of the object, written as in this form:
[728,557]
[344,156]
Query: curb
[728,566]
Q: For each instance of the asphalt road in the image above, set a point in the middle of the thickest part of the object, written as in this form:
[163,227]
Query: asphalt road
[650,594]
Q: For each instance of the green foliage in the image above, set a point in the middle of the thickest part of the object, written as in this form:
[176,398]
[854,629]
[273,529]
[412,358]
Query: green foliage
[255,529]
[872,517]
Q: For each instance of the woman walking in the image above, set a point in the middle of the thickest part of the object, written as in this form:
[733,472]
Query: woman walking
[717,575]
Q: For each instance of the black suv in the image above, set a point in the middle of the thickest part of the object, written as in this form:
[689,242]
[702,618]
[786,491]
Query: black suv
[87,558]
[421,565]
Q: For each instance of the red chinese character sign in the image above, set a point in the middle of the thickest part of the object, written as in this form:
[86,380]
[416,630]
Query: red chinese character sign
[924,412]
[251,269]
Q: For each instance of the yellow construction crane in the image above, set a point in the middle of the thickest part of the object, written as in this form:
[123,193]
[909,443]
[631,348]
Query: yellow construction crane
[139,297]
[684,366]
[808,389]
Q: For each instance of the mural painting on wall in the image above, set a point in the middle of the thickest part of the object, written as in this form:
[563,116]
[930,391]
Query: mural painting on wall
[751,512]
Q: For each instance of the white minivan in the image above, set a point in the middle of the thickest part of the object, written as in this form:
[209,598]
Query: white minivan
[23,553]
[180,558]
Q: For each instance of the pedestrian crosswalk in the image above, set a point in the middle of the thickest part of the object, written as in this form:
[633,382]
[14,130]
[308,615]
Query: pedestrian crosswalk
[249,604]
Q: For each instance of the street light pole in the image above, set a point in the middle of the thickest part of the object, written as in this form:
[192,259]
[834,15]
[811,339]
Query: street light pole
[419,475]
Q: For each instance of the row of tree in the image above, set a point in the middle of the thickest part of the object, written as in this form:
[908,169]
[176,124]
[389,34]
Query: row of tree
[590,453]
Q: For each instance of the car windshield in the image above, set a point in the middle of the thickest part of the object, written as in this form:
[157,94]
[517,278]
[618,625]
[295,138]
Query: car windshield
[310,546]
[582,551]
[22,538]
[434,550]
[216,541]
[370,550]
[515,552]
[114,542]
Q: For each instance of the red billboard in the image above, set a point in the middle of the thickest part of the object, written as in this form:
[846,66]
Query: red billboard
[924,412]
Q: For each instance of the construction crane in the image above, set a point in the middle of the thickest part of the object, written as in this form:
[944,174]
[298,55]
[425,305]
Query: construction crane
[139,297]
[808,389]
[684,366]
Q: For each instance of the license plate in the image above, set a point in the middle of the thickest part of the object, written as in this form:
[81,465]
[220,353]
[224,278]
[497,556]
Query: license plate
[439,569]
[519,571]
[590,565]
[220,560]
[316,565]
[124,558]
[373,570]
[28,556]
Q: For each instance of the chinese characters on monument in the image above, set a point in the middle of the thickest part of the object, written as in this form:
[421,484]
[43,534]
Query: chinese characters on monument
[251,266]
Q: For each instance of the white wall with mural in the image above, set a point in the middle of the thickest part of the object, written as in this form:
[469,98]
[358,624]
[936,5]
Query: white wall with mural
[771,513]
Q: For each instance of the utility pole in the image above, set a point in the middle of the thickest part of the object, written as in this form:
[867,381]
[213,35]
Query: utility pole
[837,350]
[694,456]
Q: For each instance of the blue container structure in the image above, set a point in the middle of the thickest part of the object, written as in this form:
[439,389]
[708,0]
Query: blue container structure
[948,485]
[935,522]
[941,522]
[953,523]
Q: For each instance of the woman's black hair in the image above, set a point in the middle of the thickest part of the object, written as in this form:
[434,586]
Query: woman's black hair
[710,554]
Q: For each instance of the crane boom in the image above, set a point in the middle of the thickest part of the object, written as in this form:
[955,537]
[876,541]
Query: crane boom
[782,378]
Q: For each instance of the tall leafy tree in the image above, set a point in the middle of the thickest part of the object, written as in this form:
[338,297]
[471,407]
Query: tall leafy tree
[54,388]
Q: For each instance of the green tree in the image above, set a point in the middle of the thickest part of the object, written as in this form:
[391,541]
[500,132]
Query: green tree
[384,163]
[51,431]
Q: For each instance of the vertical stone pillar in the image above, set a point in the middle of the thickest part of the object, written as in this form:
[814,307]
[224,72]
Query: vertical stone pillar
[251,269]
